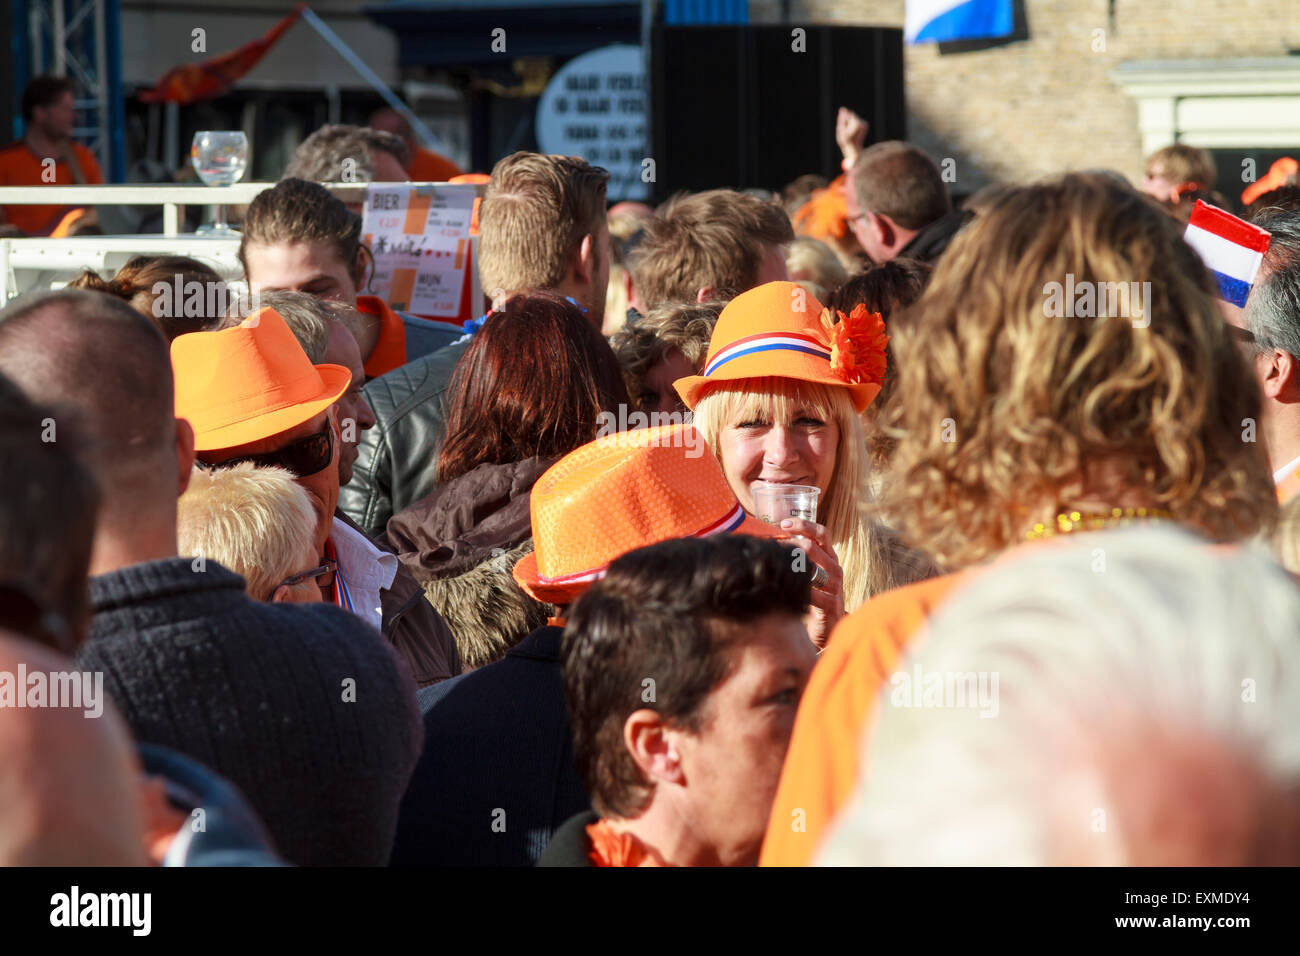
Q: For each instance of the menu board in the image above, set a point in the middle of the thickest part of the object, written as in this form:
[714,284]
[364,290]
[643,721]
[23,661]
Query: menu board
[419,237]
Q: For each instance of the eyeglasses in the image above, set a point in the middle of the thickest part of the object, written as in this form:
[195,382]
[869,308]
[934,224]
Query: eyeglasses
[324,576]
[306,457]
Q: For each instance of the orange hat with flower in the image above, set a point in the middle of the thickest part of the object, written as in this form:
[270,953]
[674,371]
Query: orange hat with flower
[779,330]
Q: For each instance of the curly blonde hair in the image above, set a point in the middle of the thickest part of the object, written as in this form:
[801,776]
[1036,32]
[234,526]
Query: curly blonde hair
[1007,415]
[871,557]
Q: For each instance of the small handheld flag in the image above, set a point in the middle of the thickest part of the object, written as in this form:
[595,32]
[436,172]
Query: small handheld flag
[1231,247]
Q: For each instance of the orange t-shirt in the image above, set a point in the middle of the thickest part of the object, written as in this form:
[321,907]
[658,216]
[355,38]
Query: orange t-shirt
[19,166]
[821,766]
[430,167]
[390,348]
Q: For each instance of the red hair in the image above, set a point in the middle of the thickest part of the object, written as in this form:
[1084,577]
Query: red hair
[532,383]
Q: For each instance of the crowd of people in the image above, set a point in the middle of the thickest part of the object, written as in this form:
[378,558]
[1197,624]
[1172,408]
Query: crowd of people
[415,594]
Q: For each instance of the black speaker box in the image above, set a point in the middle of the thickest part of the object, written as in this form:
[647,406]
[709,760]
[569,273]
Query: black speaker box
[754,106]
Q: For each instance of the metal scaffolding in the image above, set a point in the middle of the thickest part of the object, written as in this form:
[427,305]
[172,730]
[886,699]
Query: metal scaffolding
[80,39]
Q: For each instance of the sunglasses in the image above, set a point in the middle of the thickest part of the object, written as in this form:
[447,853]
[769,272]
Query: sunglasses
[324,576]
[302,458]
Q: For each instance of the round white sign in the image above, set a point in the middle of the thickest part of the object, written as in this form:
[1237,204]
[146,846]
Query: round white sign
[595,107]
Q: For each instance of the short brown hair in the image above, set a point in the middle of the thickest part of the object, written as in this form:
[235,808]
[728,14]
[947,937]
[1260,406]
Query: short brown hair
[1009,412]
[898,180]
[680,325]
[532,384]
[535,211]
[1181,163]
[712,240]
[294,210]
[42,91]
[667,610]
[321,156]
[136,284]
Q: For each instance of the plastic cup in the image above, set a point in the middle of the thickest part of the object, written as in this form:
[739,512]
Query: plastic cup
[774,502]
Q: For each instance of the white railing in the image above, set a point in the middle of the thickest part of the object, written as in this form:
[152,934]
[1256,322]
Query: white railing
[38,262]
[171,197]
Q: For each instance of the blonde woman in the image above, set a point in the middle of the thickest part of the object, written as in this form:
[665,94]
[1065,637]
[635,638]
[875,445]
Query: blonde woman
[780,400]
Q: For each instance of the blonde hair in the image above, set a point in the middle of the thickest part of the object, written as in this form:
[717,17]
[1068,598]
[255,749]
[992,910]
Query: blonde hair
[815,266]
[1008,412]
[254,521]
[871,560]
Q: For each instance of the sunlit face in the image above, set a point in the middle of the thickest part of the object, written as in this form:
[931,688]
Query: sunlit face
[1158,184]
[732,766]
[657,393]
[355,414]
[322,487]
[759,444]
[312,267]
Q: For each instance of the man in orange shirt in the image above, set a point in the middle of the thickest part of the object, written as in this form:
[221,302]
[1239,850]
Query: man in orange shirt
[1021,424]
[46,155]
[425,166]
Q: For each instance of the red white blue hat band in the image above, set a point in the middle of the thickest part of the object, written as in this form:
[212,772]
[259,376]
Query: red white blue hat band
[727,524]
[752,344]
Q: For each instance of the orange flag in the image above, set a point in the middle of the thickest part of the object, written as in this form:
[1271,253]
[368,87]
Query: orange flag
[192,82]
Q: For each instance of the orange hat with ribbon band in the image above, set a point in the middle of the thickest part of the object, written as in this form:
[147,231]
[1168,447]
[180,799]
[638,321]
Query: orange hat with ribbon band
[619,493]
[249,382]
[779,330]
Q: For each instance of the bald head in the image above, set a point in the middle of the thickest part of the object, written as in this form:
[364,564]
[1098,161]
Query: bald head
[106,372]
[69,794]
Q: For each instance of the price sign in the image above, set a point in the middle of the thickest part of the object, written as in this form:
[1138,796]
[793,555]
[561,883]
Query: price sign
[419,237]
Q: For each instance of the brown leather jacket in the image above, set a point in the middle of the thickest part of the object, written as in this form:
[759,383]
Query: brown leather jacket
[418,632]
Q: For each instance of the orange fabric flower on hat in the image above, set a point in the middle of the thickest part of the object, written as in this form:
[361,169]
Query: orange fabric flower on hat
[858,343]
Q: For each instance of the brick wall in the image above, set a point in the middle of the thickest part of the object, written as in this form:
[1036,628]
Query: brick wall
[1047,104]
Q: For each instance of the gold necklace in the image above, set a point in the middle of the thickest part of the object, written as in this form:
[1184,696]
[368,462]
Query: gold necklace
[1068,521]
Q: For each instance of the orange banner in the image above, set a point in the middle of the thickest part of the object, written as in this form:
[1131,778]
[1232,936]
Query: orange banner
[192,82]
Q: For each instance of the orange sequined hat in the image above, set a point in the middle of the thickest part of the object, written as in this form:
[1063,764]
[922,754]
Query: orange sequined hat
[619,493]
[779,330]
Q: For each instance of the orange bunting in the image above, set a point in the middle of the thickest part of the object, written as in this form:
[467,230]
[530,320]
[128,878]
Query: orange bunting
[858,343]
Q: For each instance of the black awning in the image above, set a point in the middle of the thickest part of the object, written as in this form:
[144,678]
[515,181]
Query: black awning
[434,33]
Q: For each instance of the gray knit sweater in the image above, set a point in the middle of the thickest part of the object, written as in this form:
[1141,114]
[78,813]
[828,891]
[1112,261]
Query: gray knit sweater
[303,707]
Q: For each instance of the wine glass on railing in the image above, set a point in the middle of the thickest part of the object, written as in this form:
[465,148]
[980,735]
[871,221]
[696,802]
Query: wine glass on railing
[220,158]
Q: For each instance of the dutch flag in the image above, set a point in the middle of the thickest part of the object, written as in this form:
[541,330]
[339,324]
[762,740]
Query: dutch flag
[1231,247]
[938,21]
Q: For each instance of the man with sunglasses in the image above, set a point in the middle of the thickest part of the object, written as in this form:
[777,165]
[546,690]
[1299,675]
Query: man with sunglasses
[253,395]
[1268,333]
[301,706]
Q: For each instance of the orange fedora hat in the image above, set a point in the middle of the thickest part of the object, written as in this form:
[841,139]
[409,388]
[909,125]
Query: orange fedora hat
[619,493]
[778,330]
[249,382]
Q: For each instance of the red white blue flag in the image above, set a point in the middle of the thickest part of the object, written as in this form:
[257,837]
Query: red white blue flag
[1231,247]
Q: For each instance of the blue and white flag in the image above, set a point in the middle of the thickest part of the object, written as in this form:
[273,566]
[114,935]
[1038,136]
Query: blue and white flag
[938,21]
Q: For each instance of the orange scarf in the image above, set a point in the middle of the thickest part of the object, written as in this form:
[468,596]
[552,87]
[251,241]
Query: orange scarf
[611,848]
